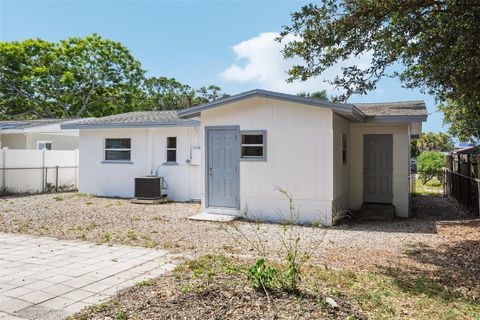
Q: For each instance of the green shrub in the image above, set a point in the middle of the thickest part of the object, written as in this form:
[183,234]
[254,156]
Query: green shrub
[429,163]
[262,277]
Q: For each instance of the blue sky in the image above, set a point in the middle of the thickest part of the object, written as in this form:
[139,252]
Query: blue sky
[228,43]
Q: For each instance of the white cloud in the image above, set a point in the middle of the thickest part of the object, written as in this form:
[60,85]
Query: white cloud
[260,63]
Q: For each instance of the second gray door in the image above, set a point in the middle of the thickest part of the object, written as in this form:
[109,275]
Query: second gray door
[378,168]
[222,167]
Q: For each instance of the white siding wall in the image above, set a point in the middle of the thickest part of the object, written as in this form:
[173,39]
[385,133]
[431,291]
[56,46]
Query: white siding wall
[340,170]
[14,141]
[29,141]
[299,157]
[401,148]
[59,142]
[148,154]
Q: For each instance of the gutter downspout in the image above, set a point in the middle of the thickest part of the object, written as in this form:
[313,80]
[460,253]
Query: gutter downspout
[150,151]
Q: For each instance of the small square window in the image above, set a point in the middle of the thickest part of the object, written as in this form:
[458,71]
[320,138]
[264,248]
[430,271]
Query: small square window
[172,149]
[253,146]
[44,145]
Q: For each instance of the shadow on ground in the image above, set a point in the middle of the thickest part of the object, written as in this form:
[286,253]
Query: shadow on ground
[450,271]
[426,211]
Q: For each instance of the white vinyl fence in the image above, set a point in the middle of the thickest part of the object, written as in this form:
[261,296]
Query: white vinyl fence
[38,171]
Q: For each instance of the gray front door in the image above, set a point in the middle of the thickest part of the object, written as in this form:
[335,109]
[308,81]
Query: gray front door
[222,167]
[378,168]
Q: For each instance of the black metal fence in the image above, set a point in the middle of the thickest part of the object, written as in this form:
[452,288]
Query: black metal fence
[465,189]
[38,179]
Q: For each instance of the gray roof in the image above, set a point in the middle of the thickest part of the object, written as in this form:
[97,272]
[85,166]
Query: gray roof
[138,119]
[405,111]
[26,124]
[345,109]
[401,108]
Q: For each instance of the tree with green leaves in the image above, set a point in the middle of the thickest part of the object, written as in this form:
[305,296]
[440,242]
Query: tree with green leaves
[83,77]
[430,165]
[320,95]
[76,77]
[165,94]
[430,141]
[433,45]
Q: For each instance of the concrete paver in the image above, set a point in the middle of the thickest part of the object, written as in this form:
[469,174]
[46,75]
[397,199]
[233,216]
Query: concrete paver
[46,278]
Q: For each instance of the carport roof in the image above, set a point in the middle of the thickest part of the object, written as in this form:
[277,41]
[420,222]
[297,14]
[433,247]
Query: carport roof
[138,119]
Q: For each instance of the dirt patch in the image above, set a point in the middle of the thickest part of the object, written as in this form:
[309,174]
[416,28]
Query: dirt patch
[213,287]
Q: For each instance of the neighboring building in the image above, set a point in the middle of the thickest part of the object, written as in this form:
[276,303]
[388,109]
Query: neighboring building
[329,156]
[37,134]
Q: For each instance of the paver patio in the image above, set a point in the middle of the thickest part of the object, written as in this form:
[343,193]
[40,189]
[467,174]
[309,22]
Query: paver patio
[46,278]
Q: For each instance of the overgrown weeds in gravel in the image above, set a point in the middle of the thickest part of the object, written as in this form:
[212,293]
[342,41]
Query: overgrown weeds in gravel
[291,254]
[216,287]
[58,198]
[144,283]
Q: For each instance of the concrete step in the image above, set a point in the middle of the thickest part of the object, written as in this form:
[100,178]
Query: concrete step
[374,211]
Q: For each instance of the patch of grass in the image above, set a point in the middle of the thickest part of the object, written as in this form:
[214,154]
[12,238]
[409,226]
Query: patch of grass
[432,187]
[132,235]
[122,315]
[150,244]
[144,283]
[316,224]
[107,237]
[170,245]
[381,296]
[82,195]
[385,297]
[58,198]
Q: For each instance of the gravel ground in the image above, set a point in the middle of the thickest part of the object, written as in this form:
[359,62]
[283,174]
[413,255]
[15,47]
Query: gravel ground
[105,220]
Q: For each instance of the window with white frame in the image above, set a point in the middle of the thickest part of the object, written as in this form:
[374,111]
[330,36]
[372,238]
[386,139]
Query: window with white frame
[253,145]
[44,145]
[172,149]
[118,149]
[344,149]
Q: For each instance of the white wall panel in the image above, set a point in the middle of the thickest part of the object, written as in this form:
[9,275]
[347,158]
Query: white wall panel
[299,157]
[148,153]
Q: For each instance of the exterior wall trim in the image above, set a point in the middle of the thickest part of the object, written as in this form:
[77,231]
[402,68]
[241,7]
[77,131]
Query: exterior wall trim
[262,132]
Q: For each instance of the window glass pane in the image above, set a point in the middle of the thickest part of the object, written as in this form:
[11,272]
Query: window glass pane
[171,155]
[252,139]
[172,142]
[252,151]
[48,146]
[117,155]
[117,144]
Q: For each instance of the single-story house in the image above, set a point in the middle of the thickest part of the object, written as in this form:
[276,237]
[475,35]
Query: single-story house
[234,152]
[38,135]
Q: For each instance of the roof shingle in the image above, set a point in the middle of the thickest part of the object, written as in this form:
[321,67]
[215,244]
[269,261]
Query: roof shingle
[402,108]
[134,119]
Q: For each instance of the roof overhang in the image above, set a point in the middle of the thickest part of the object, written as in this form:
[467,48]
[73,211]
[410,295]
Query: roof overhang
[187,123]
[393,119]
